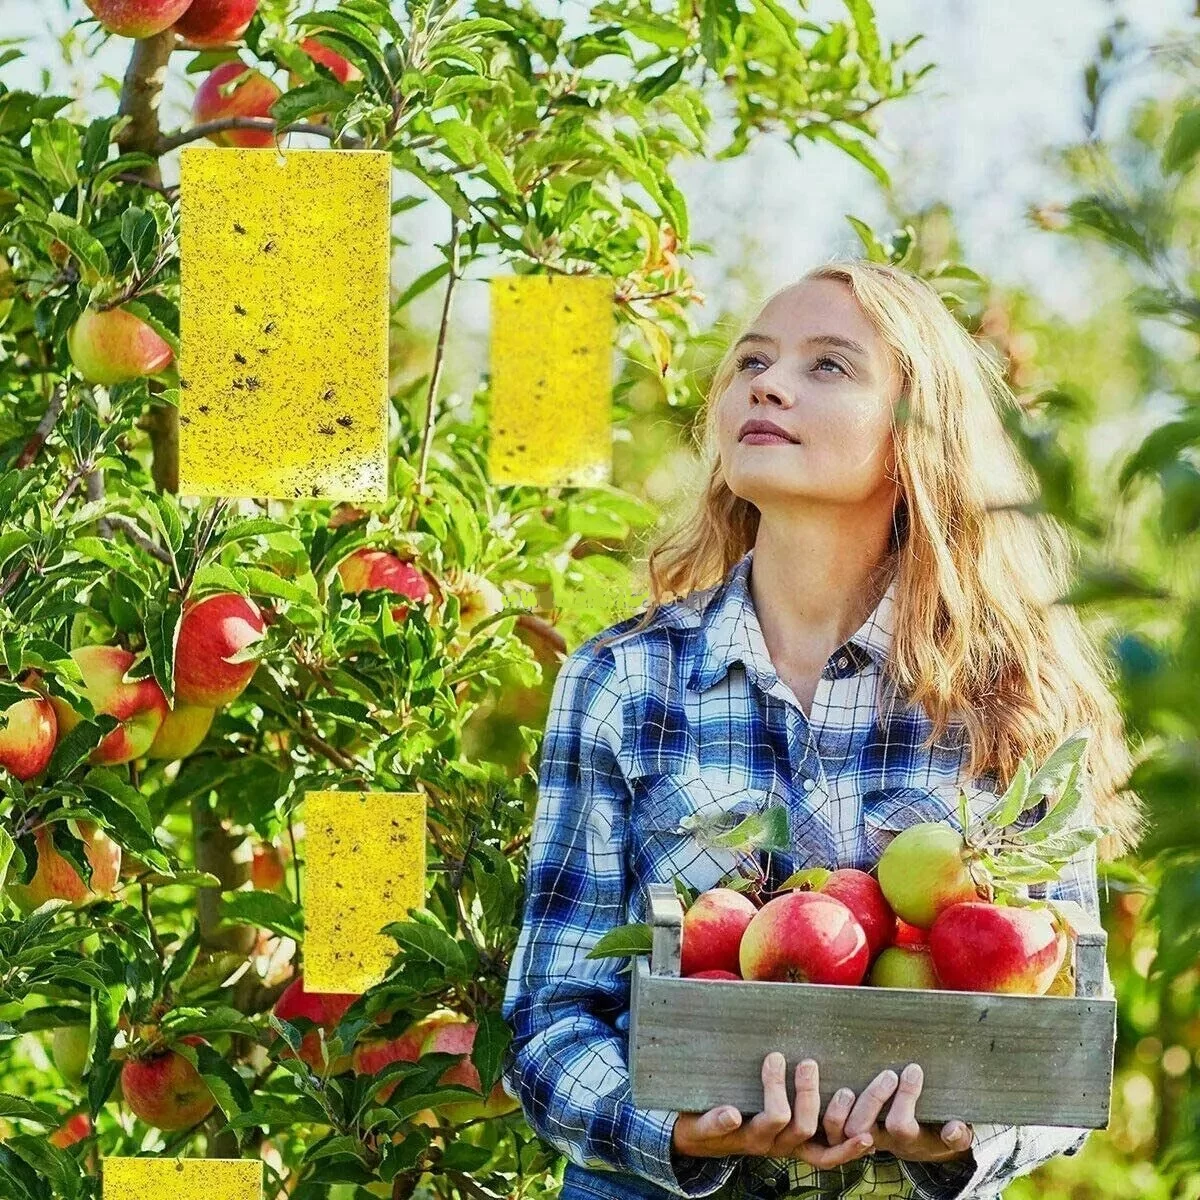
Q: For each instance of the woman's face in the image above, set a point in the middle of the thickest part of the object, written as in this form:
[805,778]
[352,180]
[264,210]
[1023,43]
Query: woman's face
[834,400]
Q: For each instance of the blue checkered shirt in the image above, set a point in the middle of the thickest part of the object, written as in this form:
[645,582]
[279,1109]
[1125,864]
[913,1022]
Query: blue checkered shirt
[689,714]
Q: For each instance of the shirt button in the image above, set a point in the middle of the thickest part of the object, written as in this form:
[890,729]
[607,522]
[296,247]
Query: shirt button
[841,662]
[808,785]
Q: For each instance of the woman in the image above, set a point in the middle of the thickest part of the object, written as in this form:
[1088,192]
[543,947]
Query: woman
[855,620]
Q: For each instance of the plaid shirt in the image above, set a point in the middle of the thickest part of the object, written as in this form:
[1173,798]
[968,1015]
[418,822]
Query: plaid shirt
[690,714]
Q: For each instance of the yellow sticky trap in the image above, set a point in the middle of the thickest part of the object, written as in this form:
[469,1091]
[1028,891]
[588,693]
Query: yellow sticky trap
[364,867]
[283,316]
[551,380]
[182,1179]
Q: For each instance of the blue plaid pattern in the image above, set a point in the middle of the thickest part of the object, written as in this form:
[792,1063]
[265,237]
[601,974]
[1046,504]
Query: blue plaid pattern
[688,716]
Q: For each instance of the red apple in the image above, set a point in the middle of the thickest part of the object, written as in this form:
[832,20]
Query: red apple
[55,878]
[712,930]
[212,630]
[923,871]
[444,1032]
[325,1009]
[344,70]
[215,22]
[863,896]
[367,569]
[252,96]
[165,1090]
[716,973]
[909,935]
[903,967]
[266,868]
[73,1130]
[137,18]
[27,741]
[111,345]
[181,733]
[139,705]
[981,947]
[804,937]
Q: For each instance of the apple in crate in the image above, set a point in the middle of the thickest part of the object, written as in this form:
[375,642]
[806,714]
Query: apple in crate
[981,947]
[863,896]
[715,973]
[804,937]
[924,870]
[712,931]
[903,967]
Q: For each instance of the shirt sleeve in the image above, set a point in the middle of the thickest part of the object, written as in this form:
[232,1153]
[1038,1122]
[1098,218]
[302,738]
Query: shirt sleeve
[1001,1153]
[568,1060]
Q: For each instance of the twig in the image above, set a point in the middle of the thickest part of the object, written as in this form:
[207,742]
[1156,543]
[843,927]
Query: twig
[435,377]
[168,190]
[172,141]
[30,450]
[95,491]
[136,535]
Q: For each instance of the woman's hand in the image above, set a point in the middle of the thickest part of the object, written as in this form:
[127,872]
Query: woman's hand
[776,1132]
[902,1134]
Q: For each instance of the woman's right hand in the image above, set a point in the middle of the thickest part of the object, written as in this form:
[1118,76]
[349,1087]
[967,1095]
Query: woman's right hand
[777,1132]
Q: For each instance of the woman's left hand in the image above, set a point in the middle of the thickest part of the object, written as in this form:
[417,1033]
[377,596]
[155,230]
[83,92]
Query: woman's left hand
[901,1133]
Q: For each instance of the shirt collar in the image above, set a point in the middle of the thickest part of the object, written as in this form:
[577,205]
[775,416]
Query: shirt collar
[730,632]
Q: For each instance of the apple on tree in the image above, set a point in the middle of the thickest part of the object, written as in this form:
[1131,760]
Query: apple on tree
[366,569]
[267,867]
[55,878]
[27,741]
[112,345]
[343,70]
[215,22]
[235,90]
[137,18]
[139,705]
[163,1089]
[325,1009]
[181,733]
[69,1049]
[441,1032]
[73,1129]
[212,631]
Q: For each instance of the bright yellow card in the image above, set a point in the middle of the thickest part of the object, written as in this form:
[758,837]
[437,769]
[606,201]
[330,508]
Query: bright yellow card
[182,1179]
[551,380]
[284,306]
[364,867]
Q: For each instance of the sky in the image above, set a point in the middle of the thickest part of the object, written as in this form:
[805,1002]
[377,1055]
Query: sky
[1007,90]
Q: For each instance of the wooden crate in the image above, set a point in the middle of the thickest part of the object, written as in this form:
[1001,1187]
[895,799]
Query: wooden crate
[1016,1060]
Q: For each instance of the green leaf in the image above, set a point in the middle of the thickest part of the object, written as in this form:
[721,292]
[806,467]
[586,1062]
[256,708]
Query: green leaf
[267,583]
[60,1170]
[623,940]
[767,830]
[268,910]
[55,146]
[1012,803]
[139,232]
[162,633]
[108,783]
[1182,142]
[492,1038]
[93,258]
[7,846]
[419,940]
[180,1021]
[1061,765]
[320,96]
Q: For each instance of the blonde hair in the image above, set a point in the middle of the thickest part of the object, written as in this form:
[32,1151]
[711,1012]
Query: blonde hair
[977,637]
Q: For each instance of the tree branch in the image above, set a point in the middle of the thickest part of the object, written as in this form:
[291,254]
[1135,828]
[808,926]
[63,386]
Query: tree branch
[30,450]
[172,141]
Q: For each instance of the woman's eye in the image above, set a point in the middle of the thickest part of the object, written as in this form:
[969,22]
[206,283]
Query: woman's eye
[835,363]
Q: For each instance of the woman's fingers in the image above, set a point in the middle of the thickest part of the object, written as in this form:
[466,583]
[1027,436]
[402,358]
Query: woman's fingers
[865,1112]
[836,1112]
[806,1112]
[760,1134]
[901,1119]
[825,1157]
